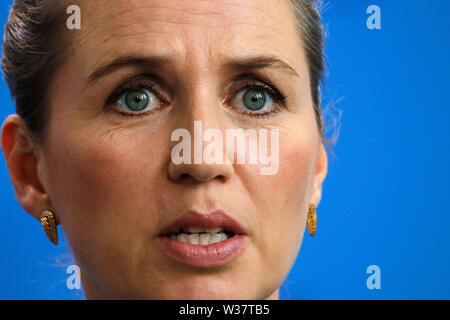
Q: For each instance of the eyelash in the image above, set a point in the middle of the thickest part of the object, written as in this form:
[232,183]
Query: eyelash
[277,97]
[134,85]
[244,83]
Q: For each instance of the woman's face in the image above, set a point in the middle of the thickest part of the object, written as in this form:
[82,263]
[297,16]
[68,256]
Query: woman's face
[111,178]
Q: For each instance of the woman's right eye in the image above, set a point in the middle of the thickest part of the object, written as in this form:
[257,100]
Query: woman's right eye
[136,101]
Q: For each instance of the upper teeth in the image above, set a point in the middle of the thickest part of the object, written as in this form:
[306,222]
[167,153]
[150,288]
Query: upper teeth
[201,239]
[200,236]
[202,230]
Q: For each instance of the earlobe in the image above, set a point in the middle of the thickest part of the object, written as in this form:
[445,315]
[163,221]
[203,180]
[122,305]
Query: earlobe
[319,175]
[21,160]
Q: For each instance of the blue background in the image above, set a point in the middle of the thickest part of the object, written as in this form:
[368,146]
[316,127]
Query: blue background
[386,196]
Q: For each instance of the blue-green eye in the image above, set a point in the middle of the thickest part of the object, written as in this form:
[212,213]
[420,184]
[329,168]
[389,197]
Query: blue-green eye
[253,99]
[138,100]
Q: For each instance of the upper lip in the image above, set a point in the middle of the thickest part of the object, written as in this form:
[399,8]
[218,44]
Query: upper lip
[214,219]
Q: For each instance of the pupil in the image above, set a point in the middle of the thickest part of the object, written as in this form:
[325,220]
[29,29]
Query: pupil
[137,100]
[254,100]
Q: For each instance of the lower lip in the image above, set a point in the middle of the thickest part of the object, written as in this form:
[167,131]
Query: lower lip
[211,255]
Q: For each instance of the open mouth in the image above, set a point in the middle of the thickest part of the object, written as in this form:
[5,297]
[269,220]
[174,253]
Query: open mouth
[201,236]
[203,239]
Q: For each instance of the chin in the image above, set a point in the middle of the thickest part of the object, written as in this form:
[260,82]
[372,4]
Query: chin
[205,289]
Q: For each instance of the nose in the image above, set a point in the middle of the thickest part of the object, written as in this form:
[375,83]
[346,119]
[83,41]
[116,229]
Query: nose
[198,173]
[205,161]
[200,114]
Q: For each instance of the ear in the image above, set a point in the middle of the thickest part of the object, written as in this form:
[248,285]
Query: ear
[319,175]
[22,159]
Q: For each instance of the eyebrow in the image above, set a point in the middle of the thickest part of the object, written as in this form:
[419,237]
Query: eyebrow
[259,62]
[156,62]
[153,62]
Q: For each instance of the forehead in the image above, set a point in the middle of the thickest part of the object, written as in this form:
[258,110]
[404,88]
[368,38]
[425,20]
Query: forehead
[178,28]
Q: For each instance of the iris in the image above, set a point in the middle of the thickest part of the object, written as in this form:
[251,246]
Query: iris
[137,100]
[254,99]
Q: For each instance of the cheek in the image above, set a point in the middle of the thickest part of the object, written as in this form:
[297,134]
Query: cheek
[296,170]
[289,188]
[97,180]
[281,201]
[294,176]
[104,190]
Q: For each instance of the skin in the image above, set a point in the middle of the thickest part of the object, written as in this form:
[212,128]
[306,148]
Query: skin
[110,179]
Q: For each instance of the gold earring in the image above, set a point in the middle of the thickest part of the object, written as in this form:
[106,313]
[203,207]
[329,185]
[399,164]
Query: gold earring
[311,220]
[49,223]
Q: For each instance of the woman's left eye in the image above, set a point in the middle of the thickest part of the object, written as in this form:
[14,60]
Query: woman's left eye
[137,100]
[254,99]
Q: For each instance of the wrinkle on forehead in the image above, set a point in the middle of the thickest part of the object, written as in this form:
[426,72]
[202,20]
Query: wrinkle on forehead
[201,31]
[137,17]
[199,11]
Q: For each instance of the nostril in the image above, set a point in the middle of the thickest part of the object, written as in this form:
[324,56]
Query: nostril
[222,178]
[185,176]
[199,173]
